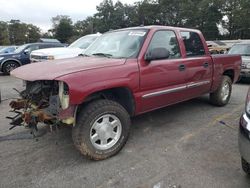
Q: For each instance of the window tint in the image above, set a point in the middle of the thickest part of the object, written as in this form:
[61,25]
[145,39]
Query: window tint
[32,48]
[42,46]
[167,40]
[193,44]
[240,49]
[118,44]
[52,45]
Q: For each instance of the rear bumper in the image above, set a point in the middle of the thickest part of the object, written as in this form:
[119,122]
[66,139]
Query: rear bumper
[244,137]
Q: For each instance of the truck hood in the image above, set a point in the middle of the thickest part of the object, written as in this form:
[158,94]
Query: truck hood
[70,52]
[50,70]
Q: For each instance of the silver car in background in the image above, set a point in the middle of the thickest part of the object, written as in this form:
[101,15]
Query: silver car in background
[243,49]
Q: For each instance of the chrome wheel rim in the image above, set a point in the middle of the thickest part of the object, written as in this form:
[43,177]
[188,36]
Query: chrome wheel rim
[10,67]
[225,91]
[105,132]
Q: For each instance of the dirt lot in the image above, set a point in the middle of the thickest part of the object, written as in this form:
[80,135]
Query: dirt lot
[189,145]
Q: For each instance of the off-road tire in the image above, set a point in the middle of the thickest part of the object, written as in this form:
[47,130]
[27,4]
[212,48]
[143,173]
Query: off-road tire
[84,121]
[245,166]
[5,68]
[216,97]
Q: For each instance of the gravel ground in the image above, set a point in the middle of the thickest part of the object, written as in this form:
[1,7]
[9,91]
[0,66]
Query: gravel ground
[188,145]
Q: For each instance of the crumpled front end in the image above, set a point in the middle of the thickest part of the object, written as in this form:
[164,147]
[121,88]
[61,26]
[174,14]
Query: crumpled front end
[45,101]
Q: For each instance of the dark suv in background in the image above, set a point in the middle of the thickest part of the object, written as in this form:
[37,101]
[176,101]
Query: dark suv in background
[21,56]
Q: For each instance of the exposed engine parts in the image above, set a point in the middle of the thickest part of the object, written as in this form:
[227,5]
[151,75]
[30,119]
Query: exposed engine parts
[42,101]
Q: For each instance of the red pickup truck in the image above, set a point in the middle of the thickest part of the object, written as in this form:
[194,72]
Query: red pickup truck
[122,74]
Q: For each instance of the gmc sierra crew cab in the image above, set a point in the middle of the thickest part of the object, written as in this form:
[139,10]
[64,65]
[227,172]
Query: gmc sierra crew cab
[122,74]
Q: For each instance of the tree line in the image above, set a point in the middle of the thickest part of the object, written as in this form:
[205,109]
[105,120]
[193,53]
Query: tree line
[217,19]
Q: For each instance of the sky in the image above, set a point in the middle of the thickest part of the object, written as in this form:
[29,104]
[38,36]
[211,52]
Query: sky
[40,12]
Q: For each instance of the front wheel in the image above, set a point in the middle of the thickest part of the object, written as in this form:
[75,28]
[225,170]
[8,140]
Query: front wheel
[222,95]
[9,66]
[101,129]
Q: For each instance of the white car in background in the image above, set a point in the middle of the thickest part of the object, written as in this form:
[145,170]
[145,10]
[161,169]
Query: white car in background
[76,48]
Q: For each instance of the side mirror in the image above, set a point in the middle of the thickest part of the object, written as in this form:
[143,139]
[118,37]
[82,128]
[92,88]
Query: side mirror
[157,54]
[26,51]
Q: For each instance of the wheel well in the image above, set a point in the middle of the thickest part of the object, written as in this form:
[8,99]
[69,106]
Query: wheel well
[9,61]
[121,95]
[229,73]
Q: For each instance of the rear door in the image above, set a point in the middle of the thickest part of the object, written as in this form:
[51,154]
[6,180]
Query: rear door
[198,63]
[163,82]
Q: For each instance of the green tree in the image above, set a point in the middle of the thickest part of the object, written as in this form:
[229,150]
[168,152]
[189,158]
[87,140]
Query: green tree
[62,28]
[131,15]
[148,12]
[237,18]
[204,15]
[17,32]
[83,27]
[4,34]
[171,12]
[103,19]
[33,33]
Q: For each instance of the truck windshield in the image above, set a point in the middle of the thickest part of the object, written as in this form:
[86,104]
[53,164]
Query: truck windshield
[118,44]
[240,49]
[83,42]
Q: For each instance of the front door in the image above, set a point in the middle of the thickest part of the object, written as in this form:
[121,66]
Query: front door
[163,82]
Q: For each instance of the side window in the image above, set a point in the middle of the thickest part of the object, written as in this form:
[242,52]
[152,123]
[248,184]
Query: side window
[32,48]
[42,46]
[193,44]
[167,40]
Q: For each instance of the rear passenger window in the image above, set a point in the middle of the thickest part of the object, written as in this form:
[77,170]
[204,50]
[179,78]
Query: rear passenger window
[193,44]
[167,40]
[42,46]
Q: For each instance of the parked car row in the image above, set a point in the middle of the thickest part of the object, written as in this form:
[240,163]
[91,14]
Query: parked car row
[36,52]
[76,48]
[21,56]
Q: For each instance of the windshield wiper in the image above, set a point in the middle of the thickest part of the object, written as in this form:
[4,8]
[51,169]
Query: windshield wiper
[83,55]
[103,54]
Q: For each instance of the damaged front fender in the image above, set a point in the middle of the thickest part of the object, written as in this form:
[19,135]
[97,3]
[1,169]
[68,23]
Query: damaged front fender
[43,101]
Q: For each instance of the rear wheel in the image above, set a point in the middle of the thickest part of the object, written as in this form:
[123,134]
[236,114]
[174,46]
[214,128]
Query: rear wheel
[101,129]
[222,95]
[9,66]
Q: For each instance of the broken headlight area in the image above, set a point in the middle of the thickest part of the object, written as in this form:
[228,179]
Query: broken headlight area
[42,101]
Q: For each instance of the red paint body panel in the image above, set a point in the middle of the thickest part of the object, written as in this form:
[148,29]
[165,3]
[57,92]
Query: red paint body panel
[82,84]
[153,84]
[222,63]
[50,70]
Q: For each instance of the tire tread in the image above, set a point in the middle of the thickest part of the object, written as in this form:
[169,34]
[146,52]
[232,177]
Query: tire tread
[87,112]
